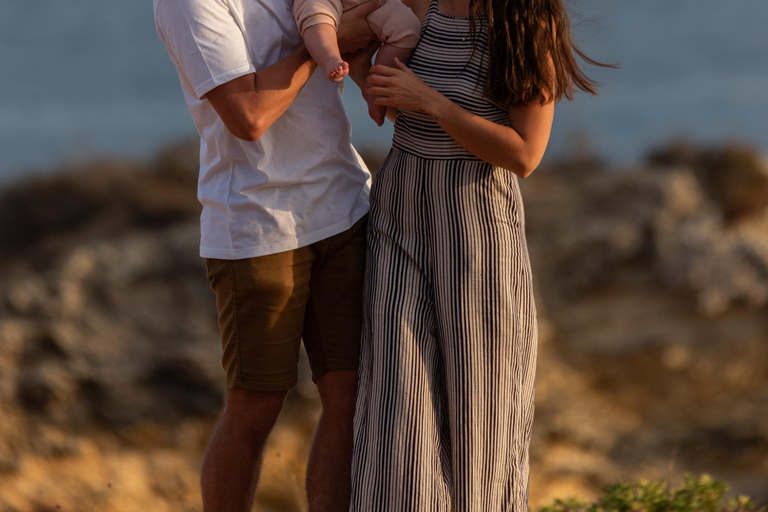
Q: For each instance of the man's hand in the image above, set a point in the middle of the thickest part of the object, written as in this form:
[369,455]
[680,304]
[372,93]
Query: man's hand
[354,32]
[360,63]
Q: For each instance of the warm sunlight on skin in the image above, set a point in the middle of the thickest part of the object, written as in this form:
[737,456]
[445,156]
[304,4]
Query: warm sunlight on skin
[231,284]
[518,147]
[250,104]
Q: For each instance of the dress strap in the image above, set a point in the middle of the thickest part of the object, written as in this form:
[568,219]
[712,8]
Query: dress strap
[432,11]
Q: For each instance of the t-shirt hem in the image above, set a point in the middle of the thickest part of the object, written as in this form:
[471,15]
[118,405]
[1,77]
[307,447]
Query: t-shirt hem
[288,245]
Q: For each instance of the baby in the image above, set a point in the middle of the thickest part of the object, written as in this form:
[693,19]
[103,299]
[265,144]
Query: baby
[393,23]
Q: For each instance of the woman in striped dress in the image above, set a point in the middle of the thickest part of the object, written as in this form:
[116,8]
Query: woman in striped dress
[446,390]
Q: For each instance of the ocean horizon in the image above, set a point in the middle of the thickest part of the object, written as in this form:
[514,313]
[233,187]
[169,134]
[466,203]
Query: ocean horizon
[93,79]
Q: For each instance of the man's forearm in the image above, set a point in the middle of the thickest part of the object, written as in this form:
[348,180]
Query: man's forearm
[359,74]
[249,105]
[277,86]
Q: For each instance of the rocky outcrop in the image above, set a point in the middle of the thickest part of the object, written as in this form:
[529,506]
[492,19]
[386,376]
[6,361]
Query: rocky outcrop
[652,295]
[655,328]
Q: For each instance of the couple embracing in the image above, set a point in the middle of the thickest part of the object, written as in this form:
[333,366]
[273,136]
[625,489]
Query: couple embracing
[413,298]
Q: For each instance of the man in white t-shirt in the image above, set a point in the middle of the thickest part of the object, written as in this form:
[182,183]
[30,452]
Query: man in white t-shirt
[285,198]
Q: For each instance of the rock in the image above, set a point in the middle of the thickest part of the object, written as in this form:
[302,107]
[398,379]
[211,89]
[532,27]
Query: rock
[651,292]
[182,390]
[13,334]
[45,386]
[677,357]
[736,179]
[721,266]
[71,293]
[29,296]
[735,176]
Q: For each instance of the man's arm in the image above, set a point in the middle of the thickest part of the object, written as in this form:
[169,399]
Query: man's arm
[250,104]
[360,63]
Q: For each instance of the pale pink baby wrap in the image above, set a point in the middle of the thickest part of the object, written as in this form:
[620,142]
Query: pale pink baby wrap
[393,23]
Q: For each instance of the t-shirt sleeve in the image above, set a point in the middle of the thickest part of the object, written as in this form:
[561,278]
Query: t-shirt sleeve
[204,41]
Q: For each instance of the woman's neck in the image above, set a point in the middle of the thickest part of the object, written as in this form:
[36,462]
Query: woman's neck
[459,8]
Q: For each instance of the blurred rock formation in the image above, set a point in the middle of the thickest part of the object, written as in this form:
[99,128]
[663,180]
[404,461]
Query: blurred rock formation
[652,290]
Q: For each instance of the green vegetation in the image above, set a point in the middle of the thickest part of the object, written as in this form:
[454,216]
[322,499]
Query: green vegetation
[695,494]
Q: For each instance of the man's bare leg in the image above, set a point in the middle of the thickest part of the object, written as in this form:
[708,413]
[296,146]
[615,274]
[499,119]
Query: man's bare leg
[329,481]
[233,461]
[321,42]
[385,57]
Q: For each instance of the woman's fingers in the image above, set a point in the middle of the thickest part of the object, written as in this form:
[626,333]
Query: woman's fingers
[379,91]
[400,65]
[380,80]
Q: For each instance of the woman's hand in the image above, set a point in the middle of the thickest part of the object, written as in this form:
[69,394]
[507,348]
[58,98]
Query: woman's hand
[517,147]
[399,87]
[354,32]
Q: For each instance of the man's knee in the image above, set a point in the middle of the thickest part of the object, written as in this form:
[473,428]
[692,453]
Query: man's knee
[338,391]
[253,410]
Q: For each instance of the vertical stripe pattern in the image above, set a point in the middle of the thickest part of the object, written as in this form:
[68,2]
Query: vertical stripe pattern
[446,391]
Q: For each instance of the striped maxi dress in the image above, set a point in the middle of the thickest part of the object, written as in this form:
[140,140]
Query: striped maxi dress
[446,390]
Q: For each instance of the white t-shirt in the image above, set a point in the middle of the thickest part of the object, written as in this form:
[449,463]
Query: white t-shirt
[302,181]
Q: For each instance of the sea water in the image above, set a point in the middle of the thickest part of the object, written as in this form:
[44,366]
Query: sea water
[87,77]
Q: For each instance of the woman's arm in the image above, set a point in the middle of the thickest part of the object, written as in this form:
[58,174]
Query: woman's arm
[518,147]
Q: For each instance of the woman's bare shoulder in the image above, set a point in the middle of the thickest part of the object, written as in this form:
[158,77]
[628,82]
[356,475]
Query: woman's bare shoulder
[419,7]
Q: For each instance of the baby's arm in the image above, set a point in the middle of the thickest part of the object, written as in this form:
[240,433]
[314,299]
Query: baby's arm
[320,40]
[321,23]
[388,52]
[318,21]
[399,29]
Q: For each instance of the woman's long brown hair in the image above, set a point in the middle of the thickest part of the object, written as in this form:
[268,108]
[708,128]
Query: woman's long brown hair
[532,53]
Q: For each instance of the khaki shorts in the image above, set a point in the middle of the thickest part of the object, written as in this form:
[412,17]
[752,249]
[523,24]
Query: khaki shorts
[268,304]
